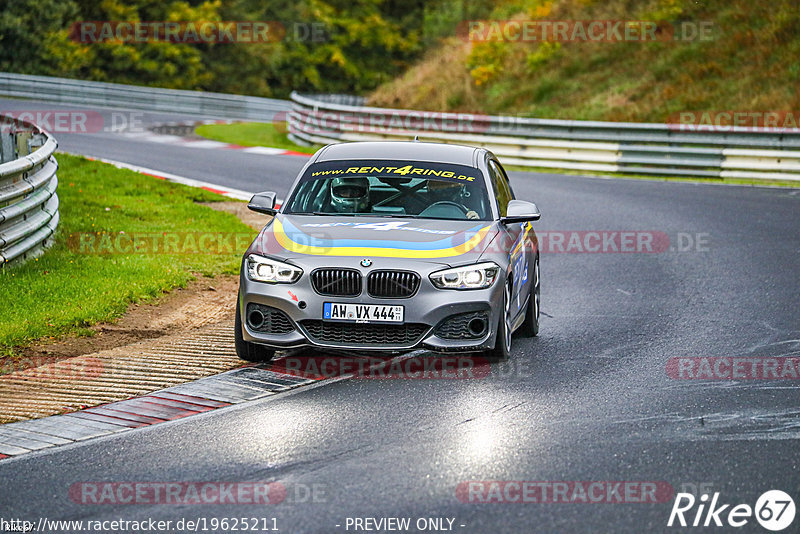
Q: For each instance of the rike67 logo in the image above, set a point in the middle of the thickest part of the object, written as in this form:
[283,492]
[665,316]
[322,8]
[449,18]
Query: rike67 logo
[774,510]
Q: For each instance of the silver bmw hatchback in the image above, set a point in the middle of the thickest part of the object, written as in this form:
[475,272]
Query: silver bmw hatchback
[392,246]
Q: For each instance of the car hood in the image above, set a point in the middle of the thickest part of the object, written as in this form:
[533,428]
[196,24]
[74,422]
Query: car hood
[445,242]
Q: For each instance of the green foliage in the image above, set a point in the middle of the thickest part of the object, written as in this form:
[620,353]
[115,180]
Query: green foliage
[748,62]
[443,18]
[24,24]
[329,45]
[486,61]
[542,55]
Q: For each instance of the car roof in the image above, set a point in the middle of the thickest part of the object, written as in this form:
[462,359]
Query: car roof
[405,150]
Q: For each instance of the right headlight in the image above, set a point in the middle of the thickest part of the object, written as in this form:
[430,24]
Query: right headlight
[478,276]
[261,269]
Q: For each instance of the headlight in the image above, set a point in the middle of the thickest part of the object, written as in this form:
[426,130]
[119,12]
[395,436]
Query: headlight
[263,269]
[479,276]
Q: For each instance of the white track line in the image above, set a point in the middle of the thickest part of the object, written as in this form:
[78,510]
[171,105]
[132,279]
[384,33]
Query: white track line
[208,186]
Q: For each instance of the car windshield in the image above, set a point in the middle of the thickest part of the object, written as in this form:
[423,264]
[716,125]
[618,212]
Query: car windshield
[392,189]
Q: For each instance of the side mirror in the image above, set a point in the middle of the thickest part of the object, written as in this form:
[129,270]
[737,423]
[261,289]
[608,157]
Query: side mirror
[520,211]
[263,203]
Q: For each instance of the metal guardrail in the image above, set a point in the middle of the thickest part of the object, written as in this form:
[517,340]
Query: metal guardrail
[618,147]
[28,182]
[101,94]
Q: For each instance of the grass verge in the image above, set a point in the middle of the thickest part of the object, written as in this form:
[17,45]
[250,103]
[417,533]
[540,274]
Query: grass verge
[92,273]
[253,134]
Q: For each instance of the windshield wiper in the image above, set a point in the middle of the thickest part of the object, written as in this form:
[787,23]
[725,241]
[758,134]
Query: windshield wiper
[324,213]
[347,214]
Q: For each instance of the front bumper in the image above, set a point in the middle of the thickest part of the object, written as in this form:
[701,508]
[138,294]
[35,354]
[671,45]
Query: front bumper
[424,313]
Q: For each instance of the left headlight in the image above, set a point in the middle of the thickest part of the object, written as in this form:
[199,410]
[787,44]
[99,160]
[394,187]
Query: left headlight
[261,269]
[478,276]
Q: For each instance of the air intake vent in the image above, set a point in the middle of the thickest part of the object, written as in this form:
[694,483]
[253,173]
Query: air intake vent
[268,320]
[472,325]
[392,284]
[373,334]
[337,282]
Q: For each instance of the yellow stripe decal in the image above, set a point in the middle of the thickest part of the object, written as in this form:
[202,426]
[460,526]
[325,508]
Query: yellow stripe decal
[292,246]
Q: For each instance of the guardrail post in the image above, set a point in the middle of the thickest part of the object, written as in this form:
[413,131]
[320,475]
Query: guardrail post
[7,146]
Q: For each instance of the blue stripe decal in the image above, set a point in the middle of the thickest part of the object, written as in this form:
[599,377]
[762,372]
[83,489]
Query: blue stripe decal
[302,238]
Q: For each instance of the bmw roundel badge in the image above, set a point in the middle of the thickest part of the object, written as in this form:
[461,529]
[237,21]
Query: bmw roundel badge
[366,263]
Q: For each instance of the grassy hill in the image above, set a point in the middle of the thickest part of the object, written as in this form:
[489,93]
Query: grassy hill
[750,62]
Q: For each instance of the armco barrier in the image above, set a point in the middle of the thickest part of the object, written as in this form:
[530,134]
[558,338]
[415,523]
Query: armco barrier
[618,147]
[28,200]
[101,94]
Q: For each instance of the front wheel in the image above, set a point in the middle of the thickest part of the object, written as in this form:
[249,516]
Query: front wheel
[502,343]
[530,328]
[250,352]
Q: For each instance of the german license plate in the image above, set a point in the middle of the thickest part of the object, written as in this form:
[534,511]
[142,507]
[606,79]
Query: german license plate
[362,313]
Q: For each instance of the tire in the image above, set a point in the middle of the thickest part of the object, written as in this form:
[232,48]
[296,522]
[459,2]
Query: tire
[249,352]
[530,328]
[502,343]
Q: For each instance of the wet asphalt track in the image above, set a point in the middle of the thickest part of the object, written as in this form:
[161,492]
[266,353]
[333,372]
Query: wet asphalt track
[588,400]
